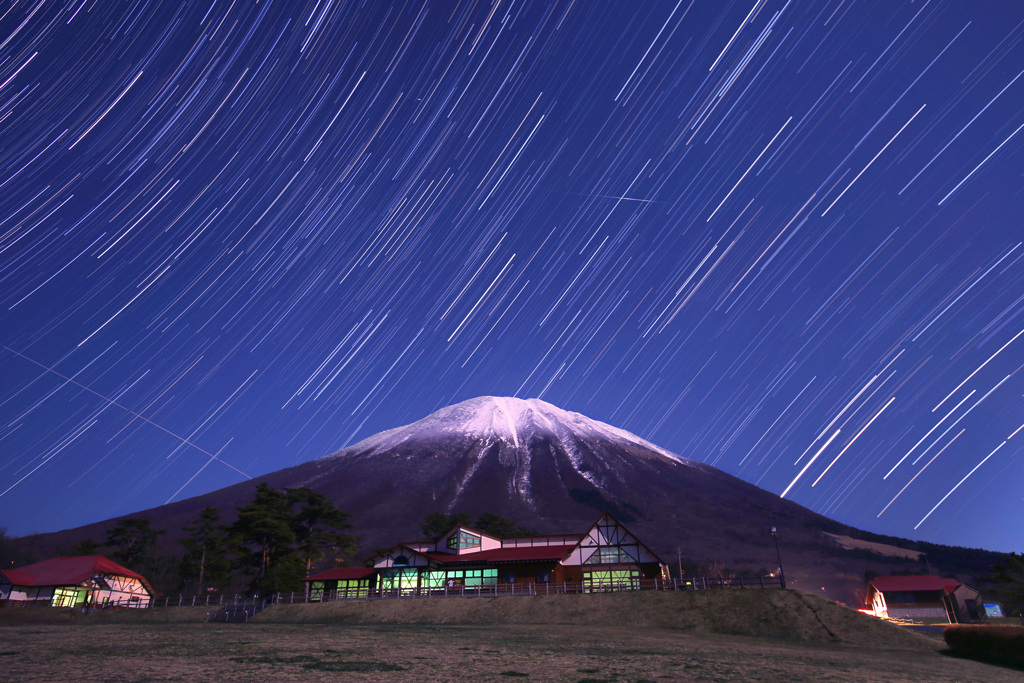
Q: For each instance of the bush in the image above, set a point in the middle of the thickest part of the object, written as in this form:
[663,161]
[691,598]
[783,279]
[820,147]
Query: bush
[1002,644]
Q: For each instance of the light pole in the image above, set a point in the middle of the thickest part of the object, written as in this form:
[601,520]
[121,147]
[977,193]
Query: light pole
[782,574]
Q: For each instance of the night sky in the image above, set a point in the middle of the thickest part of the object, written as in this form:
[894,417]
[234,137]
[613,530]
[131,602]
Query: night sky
[782,238]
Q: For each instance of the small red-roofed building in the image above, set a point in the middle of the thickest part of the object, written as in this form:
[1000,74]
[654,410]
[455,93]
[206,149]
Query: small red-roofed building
[922,597]
[341,582]
[80,581]
[606,557]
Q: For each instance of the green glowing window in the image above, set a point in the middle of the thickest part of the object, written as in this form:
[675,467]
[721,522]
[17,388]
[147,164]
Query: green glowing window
[69,597]
[609,554]
[405,579]
[353,588]
[463,540]
[453,578]
[595,581]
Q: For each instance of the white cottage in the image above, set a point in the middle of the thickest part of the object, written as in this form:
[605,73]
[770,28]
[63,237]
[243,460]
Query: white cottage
[84,580]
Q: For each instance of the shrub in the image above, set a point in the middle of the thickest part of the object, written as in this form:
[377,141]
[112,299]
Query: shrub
[1003,644]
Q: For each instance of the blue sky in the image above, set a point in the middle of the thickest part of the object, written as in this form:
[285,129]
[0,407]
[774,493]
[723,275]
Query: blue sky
[783,238]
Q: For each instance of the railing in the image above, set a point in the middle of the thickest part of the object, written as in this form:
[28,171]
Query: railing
[511,589]
[241,608]
[241,611]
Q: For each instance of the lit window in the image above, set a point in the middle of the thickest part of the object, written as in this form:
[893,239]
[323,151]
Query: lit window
[609,554]
[596,581]
[463,540]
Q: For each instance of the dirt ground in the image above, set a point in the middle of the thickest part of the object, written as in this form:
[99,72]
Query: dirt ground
[708,636]
[148,651]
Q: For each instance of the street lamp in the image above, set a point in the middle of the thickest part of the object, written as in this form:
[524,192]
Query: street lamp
[782,574]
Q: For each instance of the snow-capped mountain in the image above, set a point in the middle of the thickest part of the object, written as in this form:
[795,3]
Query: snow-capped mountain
[554,471]
[508,433]
[510,420]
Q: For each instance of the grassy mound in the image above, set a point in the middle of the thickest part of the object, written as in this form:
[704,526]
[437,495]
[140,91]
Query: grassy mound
[783,615]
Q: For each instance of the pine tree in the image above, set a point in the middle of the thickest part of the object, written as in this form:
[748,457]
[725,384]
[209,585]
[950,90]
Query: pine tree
[205,558]
[319,528]
[264,538]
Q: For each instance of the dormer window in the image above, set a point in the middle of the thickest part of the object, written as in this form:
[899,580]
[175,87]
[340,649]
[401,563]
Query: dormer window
[463,540]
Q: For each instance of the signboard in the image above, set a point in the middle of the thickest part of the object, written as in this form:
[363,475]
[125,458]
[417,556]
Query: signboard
[993,609]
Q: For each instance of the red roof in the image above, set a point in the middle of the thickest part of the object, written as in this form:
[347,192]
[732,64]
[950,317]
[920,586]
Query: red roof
[927,582]
[537,553]
[67,571]
[341,574]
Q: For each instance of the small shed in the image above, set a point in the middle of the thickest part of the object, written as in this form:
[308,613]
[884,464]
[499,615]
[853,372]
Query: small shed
[922,597]
[342,582]
[79,581]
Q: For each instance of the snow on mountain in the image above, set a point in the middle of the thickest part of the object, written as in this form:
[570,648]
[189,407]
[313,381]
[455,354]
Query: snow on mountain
[511,420]
[533,444]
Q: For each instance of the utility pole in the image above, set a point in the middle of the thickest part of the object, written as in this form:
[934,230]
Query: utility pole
[782,574]
[679,558]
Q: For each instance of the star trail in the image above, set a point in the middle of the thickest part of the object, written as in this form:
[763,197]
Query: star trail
[781,237]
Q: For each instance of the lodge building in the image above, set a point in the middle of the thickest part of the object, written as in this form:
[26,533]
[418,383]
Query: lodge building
[79,581]
[606,557]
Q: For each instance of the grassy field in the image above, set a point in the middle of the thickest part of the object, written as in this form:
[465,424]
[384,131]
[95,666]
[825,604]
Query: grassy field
[323,642]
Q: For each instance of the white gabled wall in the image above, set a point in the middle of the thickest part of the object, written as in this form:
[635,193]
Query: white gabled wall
[387,560]
[122,590]
[609,533]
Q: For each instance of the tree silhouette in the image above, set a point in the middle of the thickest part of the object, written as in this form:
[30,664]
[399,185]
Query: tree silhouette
[86,546]
[319,528]
[264,536]
[1009,575]
[501,527]
[436,523]
[205,556]
[132,539]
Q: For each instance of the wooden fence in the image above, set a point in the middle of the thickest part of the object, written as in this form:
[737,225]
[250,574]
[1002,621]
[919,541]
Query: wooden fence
[508,589]
[222,601]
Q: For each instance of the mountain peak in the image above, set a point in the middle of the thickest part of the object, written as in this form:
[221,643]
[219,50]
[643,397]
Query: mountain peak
[512,422]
